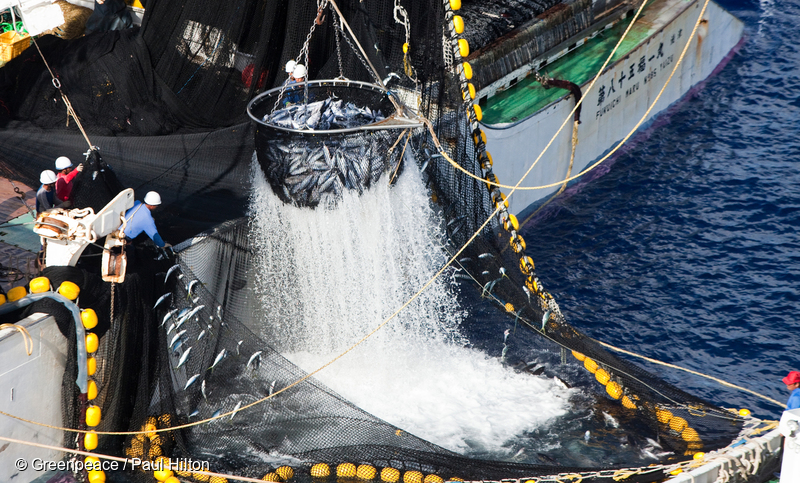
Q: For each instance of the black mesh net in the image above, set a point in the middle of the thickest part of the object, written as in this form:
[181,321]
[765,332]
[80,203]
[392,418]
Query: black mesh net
[166,104]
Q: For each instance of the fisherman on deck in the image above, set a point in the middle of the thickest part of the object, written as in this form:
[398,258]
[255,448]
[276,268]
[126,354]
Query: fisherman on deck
[46,196]
[792,381]
[66,175]
[139,219]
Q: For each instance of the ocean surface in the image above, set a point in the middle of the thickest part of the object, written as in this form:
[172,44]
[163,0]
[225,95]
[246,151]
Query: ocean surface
[688,250]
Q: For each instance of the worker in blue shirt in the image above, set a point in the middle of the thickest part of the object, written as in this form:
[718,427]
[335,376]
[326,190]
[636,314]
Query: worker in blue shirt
[46,196]
[295,95]
[792,381]
[139,219]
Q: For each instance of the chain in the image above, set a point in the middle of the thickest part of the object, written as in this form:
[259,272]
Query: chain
[22,198]
[359,57]
[304,51]
[337,29]
[112,302]
[616,475]
[321,5]
[401,17]
[399,11]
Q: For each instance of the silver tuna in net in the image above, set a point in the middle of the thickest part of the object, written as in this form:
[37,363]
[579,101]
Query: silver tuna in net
[315,140]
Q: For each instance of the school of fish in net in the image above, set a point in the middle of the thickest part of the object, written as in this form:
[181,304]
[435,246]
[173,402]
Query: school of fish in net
[328,114]
[306,173]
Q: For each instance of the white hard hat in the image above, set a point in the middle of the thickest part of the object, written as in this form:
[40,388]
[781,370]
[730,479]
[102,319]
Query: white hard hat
[63,162]
[290,66]
[299,71]
[47,177]
[152,198]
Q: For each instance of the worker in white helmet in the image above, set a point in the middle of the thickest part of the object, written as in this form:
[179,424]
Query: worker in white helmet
[46,196]
[290,67]
[138,220]
[66,175]
[295,96]
[299,73]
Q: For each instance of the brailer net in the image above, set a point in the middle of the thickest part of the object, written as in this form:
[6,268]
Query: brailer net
[171,116]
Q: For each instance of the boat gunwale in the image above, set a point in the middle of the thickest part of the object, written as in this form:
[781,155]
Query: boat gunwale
[645,41]
[26,322]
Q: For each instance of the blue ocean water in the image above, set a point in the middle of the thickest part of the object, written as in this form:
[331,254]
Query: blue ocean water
[688,250]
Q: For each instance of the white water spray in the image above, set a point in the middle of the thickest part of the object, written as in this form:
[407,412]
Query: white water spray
[329,276]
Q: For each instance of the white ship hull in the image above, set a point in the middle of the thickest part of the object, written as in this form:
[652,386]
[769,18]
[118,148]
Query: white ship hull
[30,388]
[607,120]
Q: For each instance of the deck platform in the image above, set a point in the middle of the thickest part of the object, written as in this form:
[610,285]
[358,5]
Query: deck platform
[18,244]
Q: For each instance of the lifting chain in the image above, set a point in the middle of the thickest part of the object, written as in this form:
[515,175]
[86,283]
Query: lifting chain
[361,58]
[303,55]
[113,285]
[337,32]
[21,196]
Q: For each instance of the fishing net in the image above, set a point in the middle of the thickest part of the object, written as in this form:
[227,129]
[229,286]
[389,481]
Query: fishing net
[317,139]
[167,106]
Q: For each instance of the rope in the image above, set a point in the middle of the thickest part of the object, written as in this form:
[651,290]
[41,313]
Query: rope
[57,85]
[616,370]
[768,427]
[111,304]
[564,186]
[26,336]
[402,153]
[720,381]
[572,156]
[621,143]
[401,17]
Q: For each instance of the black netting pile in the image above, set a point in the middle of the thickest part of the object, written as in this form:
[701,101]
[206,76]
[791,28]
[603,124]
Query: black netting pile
[166,104]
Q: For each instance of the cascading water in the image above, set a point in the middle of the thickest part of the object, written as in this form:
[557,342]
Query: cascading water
[329,276]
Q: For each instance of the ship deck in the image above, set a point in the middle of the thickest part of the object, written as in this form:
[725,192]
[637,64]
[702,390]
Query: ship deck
[528,96]
[18,244]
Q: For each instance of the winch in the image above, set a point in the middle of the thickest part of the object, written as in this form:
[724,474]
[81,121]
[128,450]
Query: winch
[65,234]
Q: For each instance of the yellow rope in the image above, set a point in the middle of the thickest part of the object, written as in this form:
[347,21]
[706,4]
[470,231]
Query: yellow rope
[720,381]
[26,336]
[572,155]
[767,427]
[569,172]
[402,153]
